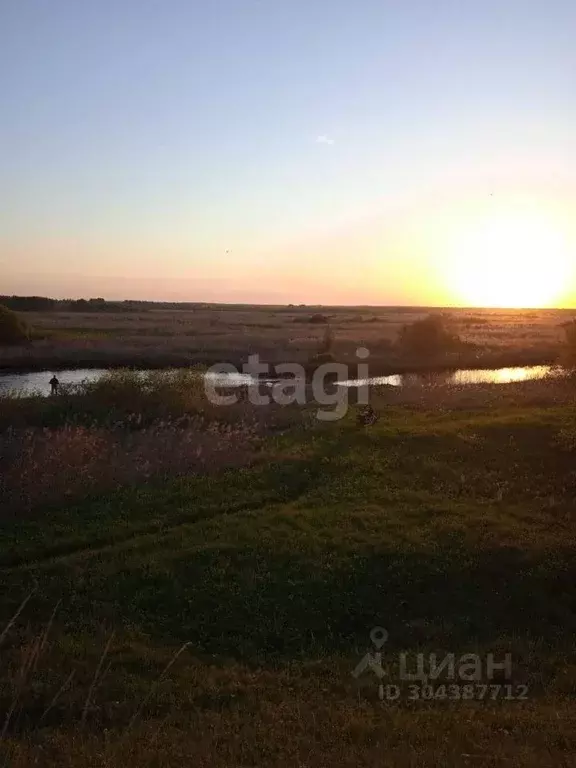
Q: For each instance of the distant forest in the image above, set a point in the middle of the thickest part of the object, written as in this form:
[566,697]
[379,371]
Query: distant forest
[45,304]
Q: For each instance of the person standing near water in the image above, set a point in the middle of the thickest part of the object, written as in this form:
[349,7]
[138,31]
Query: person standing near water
[54,384]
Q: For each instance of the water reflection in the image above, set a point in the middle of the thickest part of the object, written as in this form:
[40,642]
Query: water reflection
[456,378]
[38,382]
[501,375]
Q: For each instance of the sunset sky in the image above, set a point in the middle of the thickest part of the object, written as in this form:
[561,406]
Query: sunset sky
[305,151]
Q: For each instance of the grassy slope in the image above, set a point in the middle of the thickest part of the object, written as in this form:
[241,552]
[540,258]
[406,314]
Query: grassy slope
[454,530]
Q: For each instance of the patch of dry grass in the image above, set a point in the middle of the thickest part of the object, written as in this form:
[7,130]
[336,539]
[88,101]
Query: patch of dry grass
[65,464]
[124,429]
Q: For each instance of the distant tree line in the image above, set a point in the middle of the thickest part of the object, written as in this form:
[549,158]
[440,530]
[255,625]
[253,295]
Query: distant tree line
[28,303]
[46,304]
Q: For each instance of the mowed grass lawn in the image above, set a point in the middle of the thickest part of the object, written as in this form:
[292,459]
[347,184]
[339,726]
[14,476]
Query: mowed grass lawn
[453,529]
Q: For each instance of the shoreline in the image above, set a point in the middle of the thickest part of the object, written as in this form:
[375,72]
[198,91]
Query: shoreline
[376,367]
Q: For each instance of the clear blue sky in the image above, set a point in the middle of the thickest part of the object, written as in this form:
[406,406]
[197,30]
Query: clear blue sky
[257,150]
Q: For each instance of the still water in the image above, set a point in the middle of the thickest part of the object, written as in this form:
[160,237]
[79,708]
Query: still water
[38,382]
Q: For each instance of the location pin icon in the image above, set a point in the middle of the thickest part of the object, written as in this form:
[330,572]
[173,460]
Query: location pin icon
[378,636]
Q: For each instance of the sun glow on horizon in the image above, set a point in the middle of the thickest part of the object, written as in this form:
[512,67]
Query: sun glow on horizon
[518,260]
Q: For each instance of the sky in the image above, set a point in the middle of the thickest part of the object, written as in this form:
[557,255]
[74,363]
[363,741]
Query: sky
[302,151]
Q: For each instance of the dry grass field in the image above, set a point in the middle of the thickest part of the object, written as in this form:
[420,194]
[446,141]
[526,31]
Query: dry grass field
[229,333]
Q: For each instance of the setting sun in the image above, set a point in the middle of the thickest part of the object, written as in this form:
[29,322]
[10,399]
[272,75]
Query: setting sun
[510,260]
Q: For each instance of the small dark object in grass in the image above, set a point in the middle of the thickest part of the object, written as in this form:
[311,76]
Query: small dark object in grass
[367,416]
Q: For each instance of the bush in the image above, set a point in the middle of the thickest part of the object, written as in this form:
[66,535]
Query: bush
[327,342]
[325,346]
[318,319]
[427,337]
[569,352]
[13,330]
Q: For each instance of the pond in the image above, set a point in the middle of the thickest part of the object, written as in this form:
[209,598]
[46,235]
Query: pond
[38,381]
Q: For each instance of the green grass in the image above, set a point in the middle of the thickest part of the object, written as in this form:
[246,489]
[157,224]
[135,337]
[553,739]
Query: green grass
[452,529]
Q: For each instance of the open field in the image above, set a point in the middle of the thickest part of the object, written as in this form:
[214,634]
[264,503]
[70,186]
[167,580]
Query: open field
[228,333]
[213,618]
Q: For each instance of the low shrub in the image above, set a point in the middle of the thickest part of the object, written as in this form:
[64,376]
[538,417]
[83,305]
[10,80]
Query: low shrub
[569,351]
[427,338]
[13,330]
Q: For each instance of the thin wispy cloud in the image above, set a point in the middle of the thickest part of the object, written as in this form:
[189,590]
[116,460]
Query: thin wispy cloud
[323,139]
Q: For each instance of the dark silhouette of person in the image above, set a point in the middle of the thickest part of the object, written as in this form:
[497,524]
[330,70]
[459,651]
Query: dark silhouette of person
[54,384]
